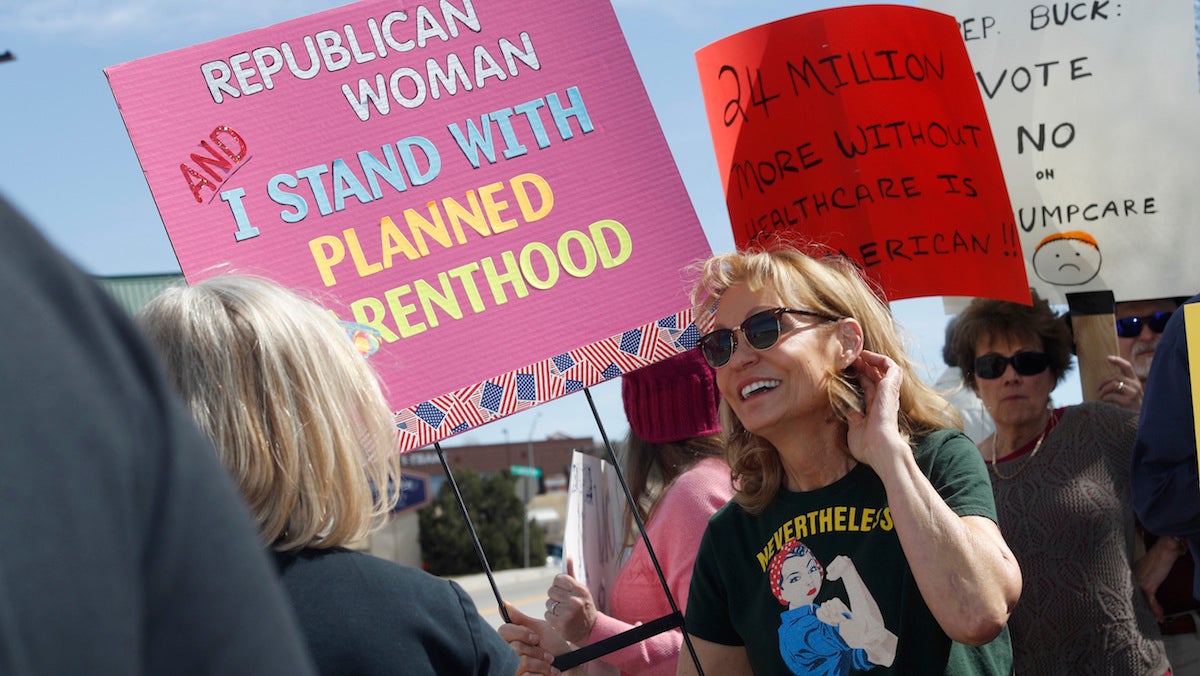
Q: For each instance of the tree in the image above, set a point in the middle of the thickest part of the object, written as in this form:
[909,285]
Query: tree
[496,512]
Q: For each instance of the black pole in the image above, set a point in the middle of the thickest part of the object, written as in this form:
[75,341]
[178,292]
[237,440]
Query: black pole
[474,536]
[665,623]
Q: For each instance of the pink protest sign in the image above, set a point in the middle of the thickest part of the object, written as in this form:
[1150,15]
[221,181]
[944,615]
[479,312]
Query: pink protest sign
[484,194]
[861,130]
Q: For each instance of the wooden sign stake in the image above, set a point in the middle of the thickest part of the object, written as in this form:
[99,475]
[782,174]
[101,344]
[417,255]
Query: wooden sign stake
[1093,320]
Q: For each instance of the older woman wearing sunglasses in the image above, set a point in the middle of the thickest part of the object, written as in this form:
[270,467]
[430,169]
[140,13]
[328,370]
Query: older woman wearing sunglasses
[836,444]
[1061,481]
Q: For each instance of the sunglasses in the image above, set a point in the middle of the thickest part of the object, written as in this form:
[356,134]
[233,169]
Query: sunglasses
[992,365]
[1131,327]
[761,330]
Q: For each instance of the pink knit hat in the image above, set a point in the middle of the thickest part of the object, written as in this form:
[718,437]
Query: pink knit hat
[672,400]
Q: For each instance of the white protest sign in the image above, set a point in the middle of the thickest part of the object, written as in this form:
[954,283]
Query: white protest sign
[1093,106]
[593,536]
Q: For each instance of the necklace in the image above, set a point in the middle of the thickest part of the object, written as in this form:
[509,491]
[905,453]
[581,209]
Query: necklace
[1028,461]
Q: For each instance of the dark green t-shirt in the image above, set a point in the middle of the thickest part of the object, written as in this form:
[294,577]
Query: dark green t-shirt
[833,556]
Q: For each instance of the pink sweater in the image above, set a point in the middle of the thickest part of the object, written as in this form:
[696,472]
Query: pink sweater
[637,596]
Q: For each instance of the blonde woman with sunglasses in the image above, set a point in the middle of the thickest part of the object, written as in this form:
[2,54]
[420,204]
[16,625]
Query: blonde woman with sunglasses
[836,444]
[1061,481]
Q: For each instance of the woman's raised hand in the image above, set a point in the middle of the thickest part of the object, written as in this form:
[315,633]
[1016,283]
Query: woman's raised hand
[876,431]
[569,607]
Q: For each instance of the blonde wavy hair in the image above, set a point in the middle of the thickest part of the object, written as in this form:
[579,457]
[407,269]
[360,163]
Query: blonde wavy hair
[296,414]
[831,286]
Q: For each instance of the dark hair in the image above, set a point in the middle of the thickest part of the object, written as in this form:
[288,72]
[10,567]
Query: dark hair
[948,354]
[988,318]
[651,468]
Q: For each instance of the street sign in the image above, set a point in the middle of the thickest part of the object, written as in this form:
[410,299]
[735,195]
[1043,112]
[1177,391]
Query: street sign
[414,492]
[522,470]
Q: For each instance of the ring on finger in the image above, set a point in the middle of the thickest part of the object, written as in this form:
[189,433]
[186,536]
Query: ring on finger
[1120,385]
[554,608]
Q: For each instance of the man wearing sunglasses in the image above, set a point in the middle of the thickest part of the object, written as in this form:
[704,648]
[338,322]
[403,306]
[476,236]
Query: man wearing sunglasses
[1140,324]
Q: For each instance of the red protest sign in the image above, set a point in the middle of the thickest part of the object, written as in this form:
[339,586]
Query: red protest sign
[861,130]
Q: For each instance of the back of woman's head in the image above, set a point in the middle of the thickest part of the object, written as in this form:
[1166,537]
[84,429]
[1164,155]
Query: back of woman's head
[830,286]
[295,413]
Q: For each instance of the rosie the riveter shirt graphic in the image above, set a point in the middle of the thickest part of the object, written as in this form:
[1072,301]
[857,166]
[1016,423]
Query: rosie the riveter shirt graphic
[818,584]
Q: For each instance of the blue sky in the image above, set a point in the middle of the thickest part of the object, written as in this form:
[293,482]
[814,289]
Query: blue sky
[70,167]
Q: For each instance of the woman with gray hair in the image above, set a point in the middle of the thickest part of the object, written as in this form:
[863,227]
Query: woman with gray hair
[299,419]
